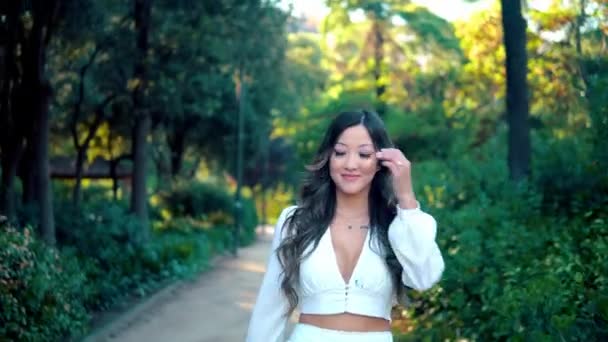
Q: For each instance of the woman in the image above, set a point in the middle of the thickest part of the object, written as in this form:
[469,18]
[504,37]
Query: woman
[356,239]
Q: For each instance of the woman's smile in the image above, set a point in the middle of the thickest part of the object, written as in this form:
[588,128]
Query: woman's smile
[350,177]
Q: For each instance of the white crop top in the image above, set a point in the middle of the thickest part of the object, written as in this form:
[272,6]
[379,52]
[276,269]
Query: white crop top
[369,291]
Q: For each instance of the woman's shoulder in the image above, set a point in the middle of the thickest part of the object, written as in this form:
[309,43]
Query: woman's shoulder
[287,212]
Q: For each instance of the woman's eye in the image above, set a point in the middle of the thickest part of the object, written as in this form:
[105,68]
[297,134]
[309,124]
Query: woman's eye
[365,155]
[339,153]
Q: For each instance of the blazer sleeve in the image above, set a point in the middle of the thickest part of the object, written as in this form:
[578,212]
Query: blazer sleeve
[268,320]
[412,237]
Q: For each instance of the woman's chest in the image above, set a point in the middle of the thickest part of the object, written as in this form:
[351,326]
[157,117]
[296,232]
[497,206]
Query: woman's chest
[320,270]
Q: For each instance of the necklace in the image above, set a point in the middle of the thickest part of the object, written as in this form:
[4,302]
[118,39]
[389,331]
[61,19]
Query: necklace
[350,218]
[365,226]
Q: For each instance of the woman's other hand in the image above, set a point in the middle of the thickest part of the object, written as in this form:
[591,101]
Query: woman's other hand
[400,168]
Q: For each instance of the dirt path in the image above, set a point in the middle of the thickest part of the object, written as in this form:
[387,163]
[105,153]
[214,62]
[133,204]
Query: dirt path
[213,308]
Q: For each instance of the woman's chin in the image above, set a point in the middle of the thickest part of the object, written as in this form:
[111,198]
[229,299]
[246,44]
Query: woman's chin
[351,191]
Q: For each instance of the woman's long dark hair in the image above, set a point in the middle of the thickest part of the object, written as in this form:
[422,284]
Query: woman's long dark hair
[317,204]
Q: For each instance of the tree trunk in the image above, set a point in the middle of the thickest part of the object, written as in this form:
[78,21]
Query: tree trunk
[77,192]
[113,165]
[11,141]
[8,199]
[139,193]
[28,101]
[264,206]
[265,176]
[114,162]
[25,107]
[26,172]
[44,14]
[514,28]
[177,145]
[195,166]
[82,149]
[43,179]
[141,127]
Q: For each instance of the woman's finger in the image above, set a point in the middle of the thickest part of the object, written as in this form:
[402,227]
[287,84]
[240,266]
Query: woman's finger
[391,166]
[394,156]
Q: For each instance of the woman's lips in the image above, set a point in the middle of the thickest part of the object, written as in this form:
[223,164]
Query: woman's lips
[350,177]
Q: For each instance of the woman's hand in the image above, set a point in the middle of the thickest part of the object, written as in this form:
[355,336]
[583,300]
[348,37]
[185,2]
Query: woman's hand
[400,168]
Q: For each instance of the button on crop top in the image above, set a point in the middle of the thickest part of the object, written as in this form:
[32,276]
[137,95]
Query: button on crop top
[369,291]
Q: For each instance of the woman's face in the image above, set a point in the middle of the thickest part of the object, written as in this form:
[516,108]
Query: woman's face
[353,162]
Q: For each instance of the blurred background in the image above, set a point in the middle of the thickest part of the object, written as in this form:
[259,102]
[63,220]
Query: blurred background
[139,139]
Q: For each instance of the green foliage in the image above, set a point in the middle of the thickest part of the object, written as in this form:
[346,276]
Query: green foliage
[177,255]
[250,222]
[431,30]
[596,76]
[305,76]
[424,134]
[201,68]
[516,268]
[207,205]
[197,199]
[219,236]
[570,184]
[108,237]
[42,291]
[117,262]
[48,295]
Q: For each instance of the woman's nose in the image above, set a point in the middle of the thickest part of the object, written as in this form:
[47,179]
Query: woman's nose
[351,162]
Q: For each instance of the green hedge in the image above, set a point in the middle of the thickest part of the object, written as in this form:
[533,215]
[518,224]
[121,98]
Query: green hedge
[210,203]
[525,262]
[42,291]
[197,199]
[49,294]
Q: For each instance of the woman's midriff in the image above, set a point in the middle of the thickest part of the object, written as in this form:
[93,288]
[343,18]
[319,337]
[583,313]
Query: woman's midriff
[346,322]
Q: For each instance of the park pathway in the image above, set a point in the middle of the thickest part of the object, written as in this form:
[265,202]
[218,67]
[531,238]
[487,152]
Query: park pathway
[215,307]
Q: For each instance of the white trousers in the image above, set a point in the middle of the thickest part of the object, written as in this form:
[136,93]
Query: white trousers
[310,333]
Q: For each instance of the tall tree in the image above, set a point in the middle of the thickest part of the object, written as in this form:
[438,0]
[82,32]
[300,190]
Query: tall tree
[194,102]
[382,52]
[141,126]
[81,65]
[514,36]
[26,94]
[377,38]
[11,125]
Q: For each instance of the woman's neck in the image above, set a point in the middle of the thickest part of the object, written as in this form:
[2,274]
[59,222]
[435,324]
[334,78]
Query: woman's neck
[355,206]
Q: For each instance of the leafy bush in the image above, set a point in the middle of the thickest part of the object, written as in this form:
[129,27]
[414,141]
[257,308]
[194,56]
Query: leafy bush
[119,261]
[219,236]
[197,199]
[213,206]
[218,230]
[516,267]
[42,291]
[171,254]
[107,236]
[48,294]
[568,176]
